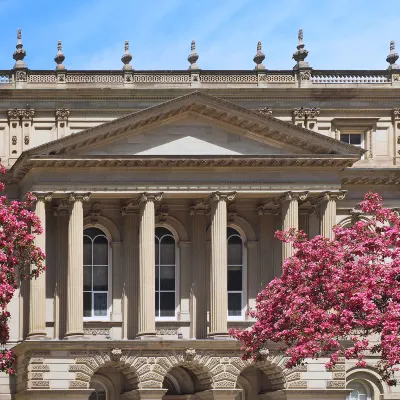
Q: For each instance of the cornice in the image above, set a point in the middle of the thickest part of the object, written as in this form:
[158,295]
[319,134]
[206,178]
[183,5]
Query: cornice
[295,161]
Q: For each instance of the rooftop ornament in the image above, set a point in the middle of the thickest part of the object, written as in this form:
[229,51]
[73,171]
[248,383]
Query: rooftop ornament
[300,55]
[127,58]
[20,53]
[392,57]
[193,56]
[60,57]
[259,58]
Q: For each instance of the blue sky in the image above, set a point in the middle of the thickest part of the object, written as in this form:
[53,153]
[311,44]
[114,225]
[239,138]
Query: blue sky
[339,34]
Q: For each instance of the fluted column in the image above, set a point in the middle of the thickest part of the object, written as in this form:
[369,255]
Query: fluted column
[146,289]
[199,293]
[60,296]
[219,268]
[327,211]
[131,272]
[75,266]
[37,292]
[290,218]
[267,231]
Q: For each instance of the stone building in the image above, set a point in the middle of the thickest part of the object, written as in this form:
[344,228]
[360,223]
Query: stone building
[160,192]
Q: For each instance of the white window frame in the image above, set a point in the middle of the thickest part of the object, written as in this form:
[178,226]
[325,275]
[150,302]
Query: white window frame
[177,272]
[362,135]
[361,383]
[242,317]
[109,292]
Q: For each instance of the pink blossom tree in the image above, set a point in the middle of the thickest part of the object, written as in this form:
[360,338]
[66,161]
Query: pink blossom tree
[19,259]
[335,298]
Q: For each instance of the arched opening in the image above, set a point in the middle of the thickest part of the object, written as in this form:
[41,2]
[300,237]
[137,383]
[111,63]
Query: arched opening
[96,274]
[253,382]
[360,390]
[181,381]
[100,391]
[109,383]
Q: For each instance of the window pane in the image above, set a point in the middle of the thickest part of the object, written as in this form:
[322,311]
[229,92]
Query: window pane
[167,278]
[100,278]
[87,304]
[157,304]
[87,278]
[167,249]
[100,304]
[87,251]
[93,232]
[235,252]
[157,277]
[100,251]
[167,304]
[235,304]
[344,137]
[355,139]
[235,278]
[157,248]
[160,232]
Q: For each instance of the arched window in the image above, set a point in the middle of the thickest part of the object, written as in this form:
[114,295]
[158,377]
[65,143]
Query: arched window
[99,393]
[359,391]
[165,273]
[96,260]
[235,274]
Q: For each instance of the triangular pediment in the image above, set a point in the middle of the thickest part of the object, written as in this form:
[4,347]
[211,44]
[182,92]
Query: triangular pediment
[195,125]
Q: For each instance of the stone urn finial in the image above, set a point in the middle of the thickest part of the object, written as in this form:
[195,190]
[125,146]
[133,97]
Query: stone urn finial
[393,56]
[20,53]
[301,54]
[259,57]
[193,56]
[127,58]
[60,57]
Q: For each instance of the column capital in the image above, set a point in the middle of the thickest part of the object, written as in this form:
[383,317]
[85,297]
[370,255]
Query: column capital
[74,196]
[328,195]
[43,196]
[218,196]
[62,209]
[290,196]
[145,197]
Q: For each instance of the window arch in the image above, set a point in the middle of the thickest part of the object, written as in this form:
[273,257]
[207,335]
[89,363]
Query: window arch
[360,391]
[165,273]
[96,274]
[236,274]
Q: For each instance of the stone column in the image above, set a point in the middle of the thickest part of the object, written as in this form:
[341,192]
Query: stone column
[267,231]
[327,211]
[199,253]
[60,295]
[131,274]
[75,266]
[37,292]
[146,289]
[290,218]
[218,273]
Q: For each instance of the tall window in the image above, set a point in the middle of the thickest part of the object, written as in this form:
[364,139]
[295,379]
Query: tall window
[235,273]
[95,273]
[165,272]
[360,391]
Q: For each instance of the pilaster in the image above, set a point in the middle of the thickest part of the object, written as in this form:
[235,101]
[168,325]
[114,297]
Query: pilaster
[75,266]
[218,273]
[116,314]
[62,115]
[267,230]
[199,292]
[130,250]
[37,292]
[146,289]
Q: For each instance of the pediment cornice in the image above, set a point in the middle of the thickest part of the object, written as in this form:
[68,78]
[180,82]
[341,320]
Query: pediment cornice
[178,162]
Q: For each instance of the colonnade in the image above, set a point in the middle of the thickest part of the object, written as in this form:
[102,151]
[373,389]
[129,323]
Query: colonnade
[138,260]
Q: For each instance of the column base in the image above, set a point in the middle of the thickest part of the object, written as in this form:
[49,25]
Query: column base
[76,336]
[147,336]
[37,336]
[219,336]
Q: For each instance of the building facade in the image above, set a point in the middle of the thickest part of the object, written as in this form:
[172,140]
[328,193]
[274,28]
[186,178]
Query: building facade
[160,192]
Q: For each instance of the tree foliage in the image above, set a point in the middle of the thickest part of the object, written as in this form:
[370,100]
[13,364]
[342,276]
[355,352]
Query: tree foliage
[19,259]
[335,298]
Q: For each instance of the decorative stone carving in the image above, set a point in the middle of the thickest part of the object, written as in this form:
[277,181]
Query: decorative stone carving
[19,54]
[116,355]
[306,112]
[392,57]
[62,114]
[259,58]
[95,213]
[127,58]
[301,54]
[162,212]
[190,355]
[193,57]
[336,384]
[97,331]
[60,57]
[167,331]
[265,111]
